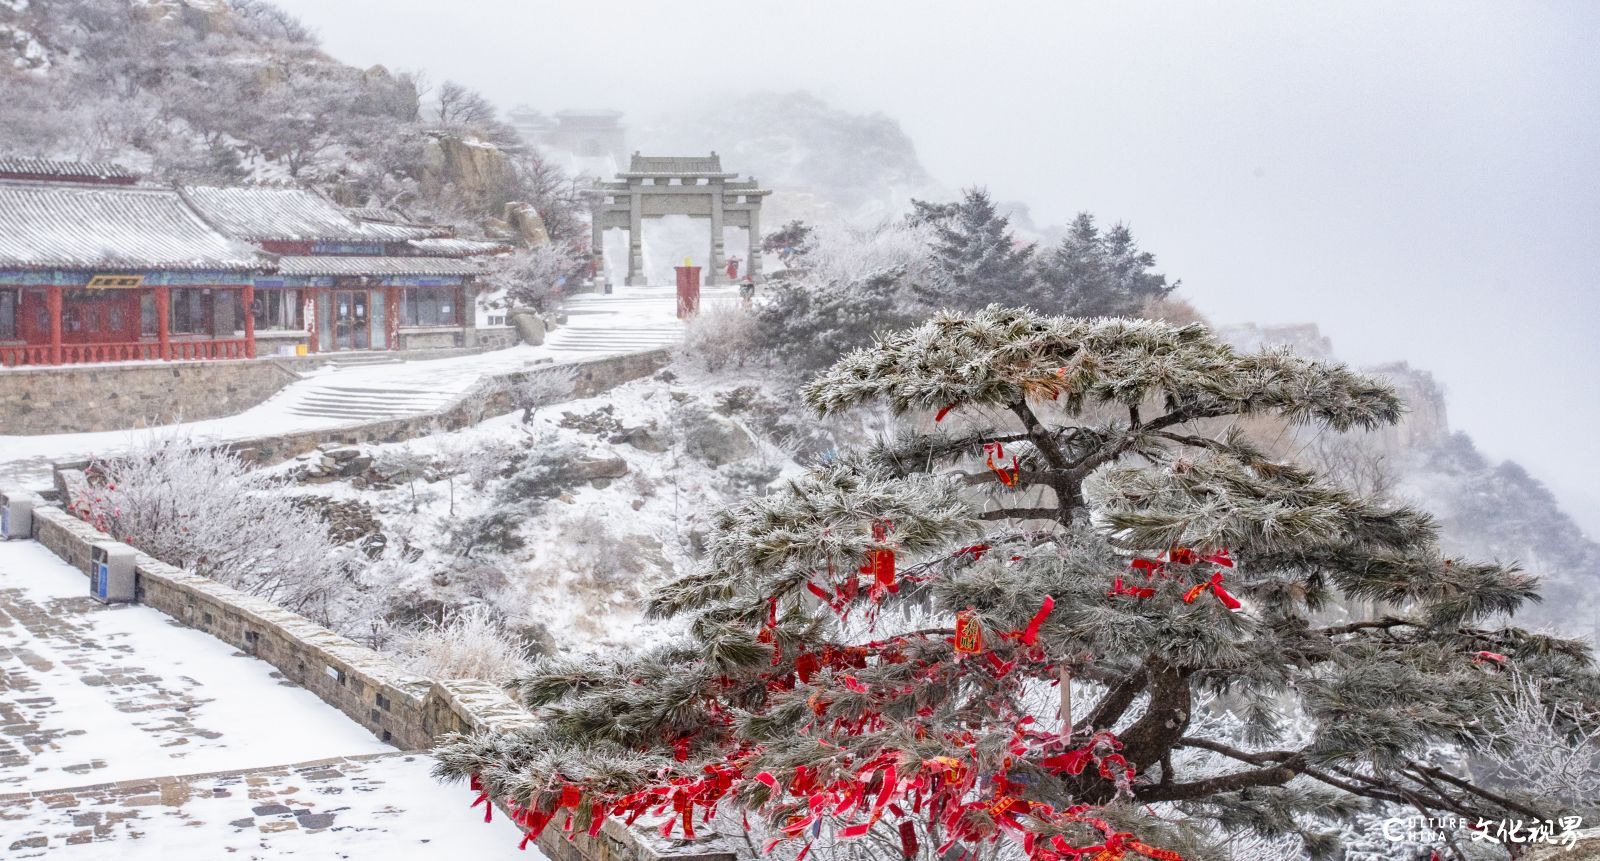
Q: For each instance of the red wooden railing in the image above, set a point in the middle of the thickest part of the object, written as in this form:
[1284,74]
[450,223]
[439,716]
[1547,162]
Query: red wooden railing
[231,348]
[25,354]
[78,354]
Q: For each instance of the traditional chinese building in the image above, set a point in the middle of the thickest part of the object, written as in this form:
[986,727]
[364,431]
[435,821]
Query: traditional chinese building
[346,283]
[96,267]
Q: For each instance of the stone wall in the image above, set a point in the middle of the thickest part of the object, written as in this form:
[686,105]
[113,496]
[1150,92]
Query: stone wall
[82,399]
[114,397]
[401,708]
[487,398]
[430,339]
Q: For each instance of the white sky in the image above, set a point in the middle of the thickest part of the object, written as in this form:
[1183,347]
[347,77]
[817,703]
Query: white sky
[1422,179]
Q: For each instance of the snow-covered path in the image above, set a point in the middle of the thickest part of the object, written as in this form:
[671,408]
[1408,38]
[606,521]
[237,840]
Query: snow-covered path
[104,693]
[120,725]
[631,320]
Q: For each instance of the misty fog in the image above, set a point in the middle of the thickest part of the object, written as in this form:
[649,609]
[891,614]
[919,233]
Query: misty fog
[1419,181]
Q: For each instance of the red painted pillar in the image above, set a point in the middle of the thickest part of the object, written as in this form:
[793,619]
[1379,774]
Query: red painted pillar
[391,317]
[688,290]
[163,321]
[249,321]
[53,302]
[312,300]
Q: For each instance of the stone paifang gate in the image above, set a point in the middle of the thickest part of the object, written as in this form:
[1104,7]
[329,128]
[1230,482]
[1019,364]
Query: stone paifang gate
[695,186]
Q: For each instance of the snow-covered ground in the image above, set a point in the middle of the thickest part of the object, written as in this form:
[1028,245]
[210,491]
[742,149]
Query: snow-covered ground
[122,725]
[102,693]
[630,320]
[590,551]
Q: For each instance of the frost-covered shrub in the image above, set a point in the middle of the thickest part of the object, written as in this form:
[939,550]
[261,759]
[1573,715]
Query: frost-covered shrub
[605,559]
[470,644]
[750,478]
[201,508]
[497,529]
[722,335]
[1548,749]
[536,389]
[790,427]
[549,470]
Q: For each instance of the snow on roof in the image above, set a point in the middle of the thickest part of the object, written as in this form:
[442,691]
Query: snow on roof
[14,167]
[65,226]
[450,247]
[377,266]
[380,213]
[658,165]
[262,213]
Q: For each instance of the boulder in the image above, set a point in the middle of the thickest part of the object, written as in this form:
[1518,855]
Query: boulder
[643,438]
[719,441]
[591,468]
[529,325]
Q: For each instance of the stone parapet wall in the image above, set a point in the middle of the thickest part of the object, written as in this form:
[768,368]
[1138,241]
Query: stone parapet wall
[113,397]
[488,398]
[363,684]
[87,398]
[401,708]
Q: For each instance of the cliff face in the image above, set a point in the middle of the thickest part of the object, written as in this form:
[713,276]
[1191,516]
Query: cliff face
[1485,510]
[477,174]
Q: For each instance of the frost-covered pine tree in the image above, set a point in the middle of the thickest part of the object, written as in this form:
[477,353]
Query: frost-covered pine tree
[1071,610]
[976,258]
[1093,274]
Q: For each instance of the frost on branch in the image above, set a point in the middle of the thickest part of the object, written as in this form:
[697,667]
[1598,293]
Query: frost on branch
[1072,608]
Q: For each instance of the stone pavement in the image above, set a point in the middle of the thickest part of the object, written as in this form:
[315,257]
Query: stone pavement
[379,806]
[105,709]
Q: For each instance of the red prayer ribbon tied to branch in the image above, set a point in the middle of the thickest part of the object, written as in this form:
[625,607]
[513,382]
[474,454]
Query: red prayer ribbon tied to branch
[1181,556]
[1008,475]
[1215,585]
[885,788]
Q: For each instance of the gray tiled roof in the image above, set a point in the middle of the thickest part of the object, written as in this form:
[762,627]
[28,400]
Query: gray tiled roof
[450,247]
[653,165]
[45,168]
[65,226]
[285,214]
[377,266]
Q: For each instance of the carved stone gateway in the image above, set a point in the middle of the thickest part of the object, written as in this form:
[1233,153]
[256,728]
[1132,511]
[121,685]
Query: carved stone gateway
[696,186]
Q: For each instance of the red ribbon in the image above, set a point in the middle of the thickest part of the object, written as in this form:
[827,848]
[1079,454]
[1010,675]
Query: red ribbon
[1215,585]
[1136,591]
[1008,475]
[1030,634]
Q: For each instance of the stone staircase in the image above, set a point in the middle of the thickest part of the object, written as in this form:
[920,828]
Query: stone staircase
[363,360]
[600,340]
[368,403]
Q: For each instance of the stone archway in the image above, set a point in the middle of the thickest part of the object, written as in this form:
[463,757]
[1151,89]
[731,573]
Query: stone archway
[696,186]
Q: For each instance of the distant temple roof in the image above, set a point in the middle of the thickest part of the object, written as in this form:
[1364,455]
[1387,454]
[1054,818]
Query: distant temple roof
[377,266]
[287,214]
[110,173]
[67,226]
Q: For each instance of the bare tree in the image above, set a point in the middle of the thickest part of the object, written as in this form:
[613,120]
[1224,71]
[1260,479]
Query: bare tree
[458,106]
